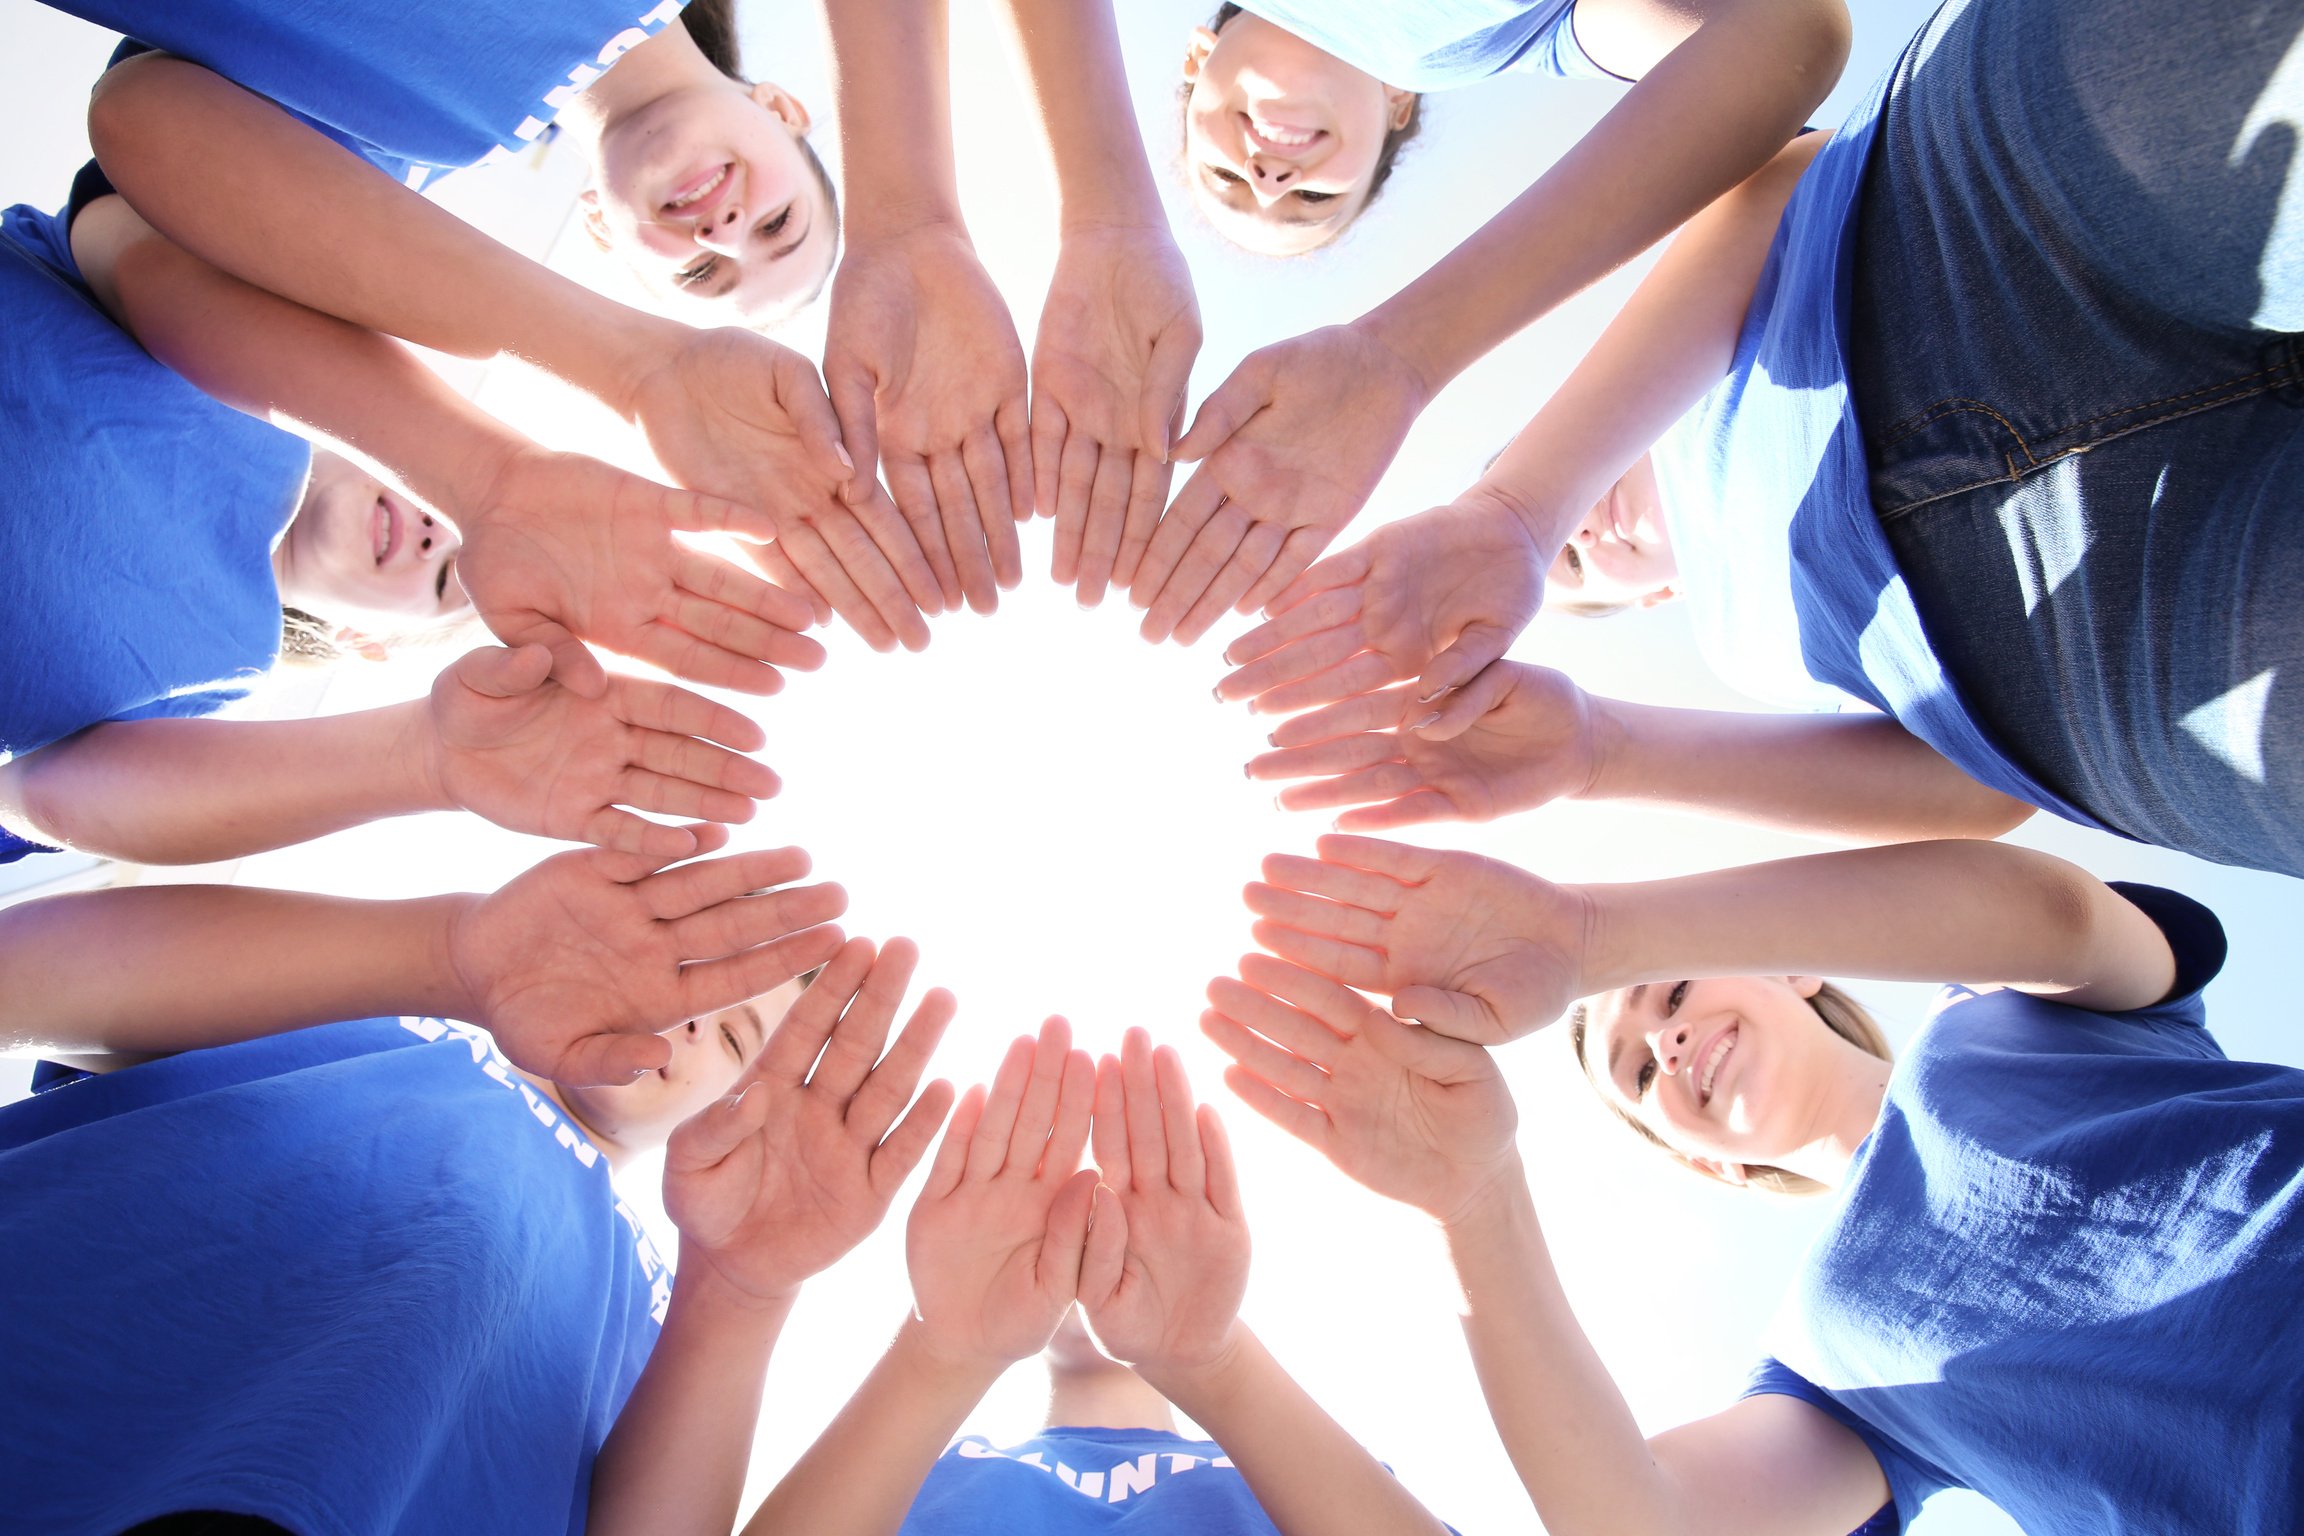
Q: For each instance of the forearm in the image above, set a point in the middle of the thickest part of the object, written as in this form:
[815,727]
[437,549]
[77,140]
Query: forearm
[1570,1434]
[1307,1473]
[1708,115]
[675,1461]
[863,1472]
[175,967]
[1078,83]
[1978,912]
[892,80]
[239,183]
[201,791]
[1669,345]
[1851,778]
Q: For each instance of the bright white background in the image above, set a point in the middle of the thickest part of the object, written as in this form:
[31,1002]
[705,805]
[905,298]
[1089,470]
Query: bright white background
[1054,810]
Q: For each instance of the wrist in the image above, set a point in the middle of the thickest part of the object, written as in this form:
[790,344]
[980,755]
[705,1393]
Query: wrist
[1491,1205]
[440,986]
[701,1286]
[1207,1376]
[935,1364]
[628,346]
[416,759]
[919,215]
[1423,373]
[1615,954]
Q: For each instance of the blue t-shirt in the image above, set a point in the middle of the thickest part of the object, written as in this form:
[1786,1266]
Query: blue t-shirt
[141,515]
[418,88]
[1066,1481]
[1775,457]
[2067,1267]
[355,1280]
[1435,45]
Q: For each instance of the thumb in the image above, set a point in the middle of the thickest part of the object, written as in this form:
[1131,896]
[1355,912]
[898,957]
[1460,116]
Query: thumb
[1477,646]
[1426,1052]
[607,1060]
[705,1139]
[1225,412]
[1467,705]
[1101,1258]
[1454,1014]
[1165,377]
[1067,1236]
[851,387]
[500,672]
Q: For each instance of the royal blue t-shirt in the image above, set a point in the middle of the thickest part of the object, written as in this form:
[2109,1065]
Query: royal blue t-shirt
[1064,1482]
[141,515]
[2067,1267]
[418,87]
[355,1280]
[1435,45]
[1777,452]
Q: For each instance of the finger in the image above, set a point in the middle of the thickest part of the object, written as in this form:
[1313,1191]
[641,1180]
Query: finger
[1307,656]
[1148,482]
[1065,1245]
[1348,963]
[988,1150]
[498,672]
[1270,1063]
[1187,1174]
[915,496]
[1346,569]
[1454,1014]
[1281,1019]
[1477,648]
[857,1039]
[798,1038]
[1233,404]
[1012,425]
[1324,1002]
[627,833]
[892,1081]
[1036,1114]
[1073,1107]
[1465,707]
[692,887]
[1103,1256]
[1248,563]
[1338,882]
[667,795]
[1299,1120]
[655,706]
[1223,1179]
[1381,711]
[707,986]
[680,653]
[609,1060]
[821,427]
[747,922]
[892,568]
[997,500]
[952,1152]
[1178,527]
[1330,608]
[1147,1139]
[574,667]
[1107,519]
[1048,433]
[896,1156]
[753,617]
[963,530]
[779,569]
[1327,759]
[1318,916]
[1166,373]
[1200,565]
[1404,862]
[716,578]
[1075,478]
[1364,673]
[812,557]
[707,767]
[1110,1123]
[705,1139]
[1301,549]
[850,387]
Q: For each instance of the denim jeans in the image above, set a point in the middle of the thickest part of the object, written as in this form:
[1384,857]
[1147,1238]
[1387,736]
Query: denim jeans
[2073,353]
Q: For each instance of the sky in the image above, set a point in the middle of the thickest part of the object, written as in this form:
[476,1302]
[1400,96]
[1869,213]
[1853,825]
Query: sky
[1054,809]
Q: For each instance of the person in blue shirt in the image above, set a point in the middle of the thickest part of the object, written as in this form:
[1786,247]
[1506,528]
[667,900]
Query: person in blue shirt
[1151,1248]
[2064,1251]
[1993,430]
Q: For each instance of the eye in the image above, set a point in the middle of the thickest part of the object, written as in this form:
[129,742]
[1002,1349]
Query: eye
[735,1046]
[1644,1077]
[690,276]
[771,228]
[440,587]
[1316,197]
[1575,561]
[1225,178]
[1674,999]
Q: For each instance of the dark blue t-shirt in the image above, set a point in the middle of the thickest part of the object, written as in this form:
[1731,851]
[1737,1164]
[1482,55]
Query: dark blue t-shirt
[355,1280]
[2067,1267]
[419,87]
[1434,45]
[141,515]
[1063,1482]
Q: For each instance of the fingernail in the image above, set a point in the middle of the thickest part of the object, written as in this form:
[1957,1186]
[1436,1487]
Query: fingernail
[1244,773]
[1430,719]
[1217,693]
[1427,698]
[1276,804]
[843,454]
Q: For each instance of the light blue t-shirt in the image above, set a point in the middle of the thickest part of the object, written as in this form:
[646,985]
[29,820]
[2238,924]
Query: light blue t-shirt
[1436,45]
[418,87]
[356,1280]
[1065,1482]
[2067,1267]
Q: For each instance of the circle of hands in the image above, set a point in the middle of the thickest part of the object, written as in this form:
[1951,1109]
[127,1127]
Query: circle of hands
[1386,659]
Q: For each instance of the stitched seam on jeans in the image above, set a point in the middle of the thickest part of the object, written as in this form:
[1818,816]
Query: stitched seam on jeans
[1890,514]
[1951,407]
[1956,406]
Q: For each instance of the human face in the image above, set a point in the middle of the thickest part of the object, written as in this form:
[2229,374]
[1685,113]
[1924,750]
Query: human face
[1281,138]
[708,1055]
[361,554]
[1622,552]
[1728,1072]
[707,193]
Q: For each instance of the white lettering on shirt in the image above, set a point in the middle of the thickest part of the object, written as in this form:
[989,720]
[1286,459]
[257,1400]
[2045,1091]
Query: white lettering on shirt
[1115,1484]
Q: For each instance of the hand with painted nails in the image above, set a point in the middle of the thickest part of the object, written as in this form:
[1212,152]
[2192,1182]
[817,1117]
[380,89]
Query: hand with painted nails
[1166,1263]
[506,741]
[732,414]
[798,1163]
[1436,598]
[1291,447]
[1117,338]
[577,965]
[927,376]
[1466,946]
[560,549]
[1411,1114]
[1514,738]
[994,1242]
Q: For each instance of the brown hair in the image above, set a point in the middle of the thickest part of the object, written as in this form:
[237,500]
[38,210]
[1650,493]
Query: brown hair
[308,640]
[1842,1014]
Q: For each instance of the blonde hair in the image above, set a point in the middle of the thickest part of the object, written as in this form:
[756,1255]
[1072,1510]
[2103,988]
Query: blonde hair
[1842,1014]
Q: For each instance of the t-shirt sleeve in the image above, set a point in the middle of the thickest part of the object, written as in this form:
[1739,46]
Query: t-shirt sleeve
[403,171]
[1556,51]
[2197,938]
[1908,1481]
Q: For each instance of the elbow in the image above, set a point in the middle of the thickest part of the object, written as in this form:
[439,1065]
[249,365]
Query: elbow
[126,109]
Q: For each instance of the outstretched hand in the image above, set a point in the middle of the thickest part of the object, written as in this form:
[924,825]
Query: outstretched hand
[560,549]
[1523,736]
[734,415]
[797,1164]
[1469,947]
[1166,1263]
[1118,334]
[577,965]
[925,371]
[1291,448]
[994,1243]
[1413,1115]
[509,743]
[1436,597]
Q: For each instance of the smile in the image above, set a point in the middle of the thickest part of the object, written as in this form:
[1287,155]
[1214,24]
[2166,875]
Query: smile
[1280,139]
[1709,1069]
[699,196]
[384,529]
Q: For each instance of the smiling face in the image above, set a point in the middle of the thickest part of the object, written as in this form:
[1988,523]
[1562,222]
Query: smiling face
[709,194]
[708,1054]
[1620,555]
[360,554]
[1282,140]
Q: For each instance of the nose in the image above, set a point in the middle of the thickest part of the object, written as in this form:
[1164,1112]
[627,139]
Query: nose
[1270,178]
[723,233]
[1669,1043]
[434,537]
